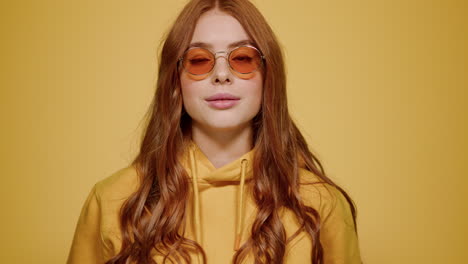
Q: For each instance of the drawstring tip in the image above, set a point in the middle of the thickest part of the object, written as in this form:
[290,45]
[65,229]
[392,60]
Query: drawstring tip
[237,242]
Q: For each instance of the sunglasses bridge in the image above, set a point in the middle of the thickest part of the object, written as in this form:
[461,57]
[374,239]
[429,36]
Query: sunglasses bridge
[225,56]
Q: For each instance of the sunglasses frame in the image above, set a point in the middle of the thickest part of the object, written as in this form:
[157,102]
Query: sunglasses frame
[228,53]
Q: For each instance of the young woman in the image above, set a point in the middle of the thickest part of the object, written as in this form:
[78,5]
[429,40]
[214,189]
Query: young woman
[223,174]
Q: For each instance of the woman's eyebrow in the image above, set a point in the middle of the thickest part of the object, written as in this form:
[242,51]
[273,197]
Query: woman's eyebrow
[232,45]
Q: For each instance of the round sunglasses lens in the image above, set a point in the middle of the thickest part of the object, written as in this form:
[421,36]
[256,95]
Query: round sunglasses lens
[198,61]
[245,59]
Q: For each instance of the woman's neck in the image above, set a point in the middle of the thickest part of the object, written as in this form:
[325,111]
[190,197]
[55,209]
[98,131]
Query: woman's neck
[224,145]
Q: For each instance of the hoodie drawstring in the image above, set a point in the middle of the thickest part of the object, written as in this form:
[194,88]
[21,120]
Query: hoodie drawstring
[240,212]
[196,204]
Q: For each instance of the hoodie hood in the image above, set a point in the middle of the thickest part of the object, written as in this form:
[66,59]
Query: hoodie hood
[204,175]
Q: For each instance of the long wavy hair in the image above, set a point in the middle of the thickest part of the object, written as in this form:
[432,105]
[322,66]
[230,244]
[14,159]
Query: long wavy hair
[152,217]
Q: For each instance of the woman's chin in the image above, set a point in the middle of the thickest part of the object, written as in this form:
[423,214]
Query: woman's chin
[224,125]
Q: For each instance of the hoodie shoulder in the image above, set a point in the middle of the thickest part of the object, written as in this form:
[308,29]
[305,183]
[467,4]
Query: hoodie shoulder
[314,191]
[323,197]
[338,234]
[97,235]
[119,185]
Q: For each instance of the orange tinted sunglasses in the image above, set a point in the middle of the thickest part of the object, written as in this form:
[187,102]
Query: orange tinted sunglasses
[243,60]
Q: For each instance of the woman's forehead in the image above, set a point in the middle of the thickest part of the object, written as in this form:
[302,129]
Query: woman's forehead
[218,30]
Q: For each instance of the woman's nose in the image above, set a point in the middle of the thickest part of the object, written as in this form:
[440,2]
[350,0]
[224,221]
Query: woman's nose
[221,72]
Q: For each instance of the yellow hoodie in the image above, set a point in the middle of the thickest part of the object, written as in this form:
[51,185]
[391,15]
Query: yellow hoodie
[220,214]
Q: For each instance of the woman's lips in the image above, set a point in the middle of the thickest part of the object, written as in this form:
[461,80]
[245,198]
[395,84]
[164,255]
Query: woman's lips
[223,104]
[222,101]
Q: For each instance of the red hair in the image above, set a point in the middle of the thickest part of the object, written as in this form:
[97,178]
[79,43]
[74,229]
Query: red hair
[151,217]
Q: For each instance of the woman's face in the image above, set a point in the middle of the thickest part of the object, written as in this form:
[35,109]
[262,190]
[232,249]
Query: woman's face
[219,31]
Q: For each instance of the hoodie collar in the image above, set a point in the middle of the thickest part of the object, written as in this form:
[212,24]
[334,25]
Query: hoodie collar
[227,173]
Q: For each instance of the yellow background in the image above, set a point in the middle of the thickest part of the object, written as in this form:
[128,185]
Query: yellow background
[378,87]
